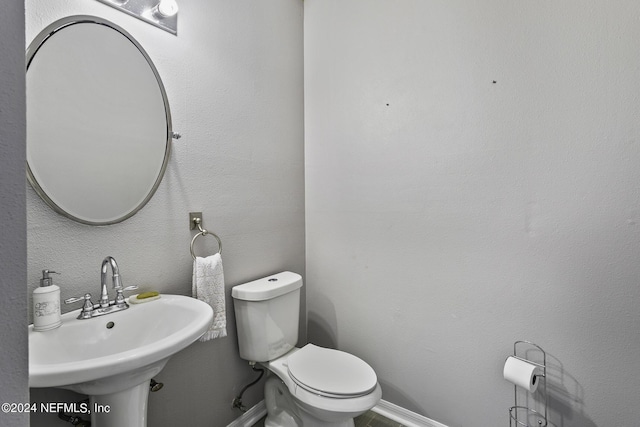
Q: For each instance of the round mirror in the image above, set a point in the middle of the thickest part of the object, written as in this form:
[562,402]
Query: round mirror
[98,121]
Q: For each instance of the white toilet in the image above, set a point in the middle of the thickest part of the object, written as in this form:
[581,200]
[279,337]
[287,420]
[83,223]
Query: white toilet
[315,386]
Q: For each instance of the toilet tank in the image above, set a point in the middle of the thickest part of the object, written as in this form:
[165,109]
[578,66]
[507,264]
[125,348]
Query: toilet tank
[267,314]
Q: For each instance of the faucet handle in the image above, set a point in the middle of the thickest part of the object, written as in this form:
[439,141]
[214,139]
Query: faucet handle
[120,294]
[76,299]
[87,307]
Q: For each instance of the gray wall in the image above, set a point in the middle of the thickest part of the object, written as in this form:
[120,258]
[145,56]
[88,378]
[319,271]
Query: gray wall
[471,180]
[234,81]
[13,245]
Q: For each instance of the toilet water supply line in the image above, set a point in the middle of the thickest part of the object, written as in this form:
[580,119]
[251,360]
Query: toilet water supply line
[237,402]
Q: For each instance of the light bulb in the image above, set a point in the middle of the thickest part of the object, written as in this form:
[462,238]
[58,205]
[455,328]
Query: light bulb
[167,8]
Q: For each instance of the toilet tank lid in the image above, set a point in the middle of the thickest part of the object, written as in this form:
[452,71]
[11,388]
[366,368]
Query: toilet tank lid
[268,287]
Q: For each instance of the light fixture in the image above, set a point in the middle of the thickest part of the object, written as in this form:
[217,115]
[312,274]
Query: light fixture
[160,13]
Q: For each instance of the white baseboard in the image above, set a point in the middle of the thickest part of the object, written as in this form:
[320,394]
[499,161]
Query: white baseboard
[250,417]
[384,408]
[404,416]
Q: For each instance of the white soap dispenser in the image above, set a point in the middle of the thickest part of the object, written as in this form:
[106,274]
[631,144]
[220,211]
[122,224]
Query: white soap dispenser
[46,304]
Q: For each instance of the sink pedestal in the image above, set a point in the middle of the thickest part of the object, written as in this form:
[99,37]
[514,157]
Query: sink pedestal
[120,400]
[124,408]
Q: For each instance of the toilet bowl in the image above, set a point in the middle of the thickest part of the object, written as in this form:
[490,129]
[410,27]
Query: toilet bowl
[328,387]
[310,386]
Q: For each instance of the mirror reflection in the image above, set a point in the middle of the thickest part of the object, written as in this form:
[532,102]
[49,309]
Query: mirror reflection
[98,121]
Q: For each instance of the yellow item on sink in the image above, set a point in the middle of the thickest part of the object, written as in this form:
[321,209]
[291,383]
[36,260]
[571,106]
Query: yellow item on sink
[144,297]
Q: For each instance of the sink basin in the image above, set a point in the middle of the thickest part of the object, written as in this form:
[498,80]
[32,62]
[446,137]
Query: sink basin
[109,357]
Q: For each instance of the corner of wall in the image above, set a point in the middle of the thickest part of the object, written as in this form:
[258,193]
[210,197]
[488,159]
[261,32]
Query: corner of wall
[13,250]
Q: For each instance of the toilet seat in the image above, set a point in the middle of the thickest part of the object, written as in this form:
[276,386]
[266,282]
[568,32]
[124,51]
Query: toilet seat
[331,373]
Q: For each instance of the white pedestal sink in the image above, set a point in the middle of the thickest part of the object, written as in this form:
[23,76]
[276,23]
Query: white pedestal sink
[112,358]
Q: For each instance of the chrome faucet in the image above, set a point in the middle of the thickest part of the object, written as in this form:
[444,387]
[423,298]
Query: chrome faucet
[117,283]
[104,306]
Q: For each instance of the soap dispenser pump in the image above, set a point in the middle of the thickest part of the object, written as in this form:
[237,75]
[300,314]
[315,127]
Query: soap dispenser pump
[46,304]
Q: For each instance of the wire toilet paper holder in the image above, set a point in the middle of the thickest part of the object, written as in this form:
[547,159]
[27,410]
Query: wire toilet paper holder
[518,412]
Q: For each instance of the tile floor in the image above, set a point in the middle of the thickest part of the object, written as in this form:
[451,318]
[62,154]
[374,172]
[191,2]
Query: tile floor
[368,419]
[372,419]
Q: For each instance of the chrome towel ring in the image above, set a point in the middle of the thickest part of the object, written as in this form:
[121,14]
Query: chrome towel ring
[204,232]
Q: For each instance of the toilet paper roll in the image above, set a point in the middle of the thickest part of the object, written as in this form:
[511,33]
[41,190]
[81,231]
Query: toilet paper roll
[521,373]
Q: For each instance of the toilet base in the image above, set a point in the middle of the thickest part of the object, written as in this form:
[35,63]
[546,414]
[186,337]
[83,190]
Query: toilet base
[283,411]
[314,422]
[283,422]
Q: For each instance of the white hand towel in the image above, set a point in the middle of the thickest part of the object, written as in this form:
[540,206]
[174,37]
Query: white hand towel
[208,286]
